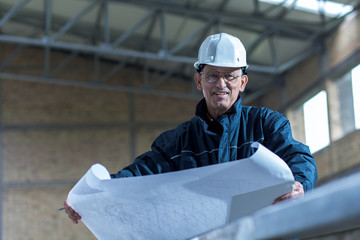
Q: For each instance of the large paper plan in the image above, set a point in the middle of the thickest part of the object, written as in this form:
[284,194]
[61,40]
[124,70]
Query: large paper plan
[182,204]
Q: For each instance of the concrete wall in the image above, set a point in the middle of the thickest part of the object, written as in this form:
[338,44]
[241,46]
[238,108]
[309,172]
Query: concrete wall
[51,134]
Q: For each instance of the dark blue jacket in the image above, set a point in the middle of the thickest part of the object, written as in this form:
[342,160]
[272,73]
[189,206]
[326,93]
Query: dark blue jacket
[201,142]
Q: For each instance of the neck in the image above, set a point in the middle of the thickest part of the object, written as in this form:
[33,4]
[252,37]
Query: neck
[214,115]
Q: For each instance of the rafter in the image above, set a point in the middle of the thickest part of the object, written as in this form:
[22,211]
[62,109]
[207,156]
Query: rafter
[123,46]
[13,11]
[74,20]
[132,29]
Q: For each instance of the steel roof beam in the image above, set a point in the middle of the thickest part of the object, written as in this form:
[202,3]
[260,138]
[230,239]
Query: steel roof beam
[274,48]
[285,10]
[170,7]
[48,13]
[93,49]
[164,43]
[13,11]
[131,30]
[98,85]
[193,35]
[106,24]
[15,53]
[201,13]
[97,25]
[115,69]
[292,62]
[11,57]
[74,20]
[113,52]
[273,7]
[147,35]
[62,65]
[290,32]
[250,47]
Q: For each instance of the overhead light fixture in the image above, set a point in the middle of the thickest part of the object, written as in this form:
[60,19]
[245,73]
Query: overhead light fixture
[328,8]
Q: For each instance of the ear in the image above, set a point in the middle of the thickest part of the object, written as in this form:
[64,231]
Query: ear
[197,79]
[243,82]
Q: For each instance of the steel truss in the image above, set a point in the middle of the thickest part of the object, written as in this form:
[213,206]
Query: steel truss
[101,41]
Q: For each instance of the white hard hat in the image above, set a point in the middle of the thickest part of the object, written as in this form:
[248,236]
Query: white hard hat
[222,50]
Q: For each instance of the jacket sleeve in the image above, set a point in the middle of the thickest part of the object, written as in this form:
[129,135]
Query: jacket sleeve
[152,162]
[297,155]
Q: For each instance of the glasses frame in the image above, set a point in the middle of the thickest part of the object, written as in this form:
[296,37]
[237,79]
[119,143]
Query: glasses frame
[220,75]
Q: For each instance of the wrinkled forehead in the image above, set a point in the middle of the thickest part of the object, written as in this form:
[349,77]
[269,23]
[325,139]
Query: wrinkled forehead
[209,68]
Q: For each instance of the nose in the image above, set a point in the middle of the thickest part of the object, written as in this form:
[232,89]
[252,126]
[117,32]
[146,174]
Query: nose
[221,83]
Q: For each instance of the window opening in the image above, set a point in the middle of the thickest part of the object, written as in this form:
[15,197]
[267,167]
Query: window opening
[316,122]
[355,81]
[330,8]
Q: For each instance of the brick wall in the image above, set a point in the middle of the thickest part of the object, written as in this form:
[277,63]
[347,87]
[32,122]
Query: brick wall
[52,134]
[306,79]
[342,156]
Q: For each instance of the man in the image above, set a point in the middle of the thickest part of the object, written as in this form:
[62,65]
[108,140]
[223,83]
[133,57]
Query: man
[223,130]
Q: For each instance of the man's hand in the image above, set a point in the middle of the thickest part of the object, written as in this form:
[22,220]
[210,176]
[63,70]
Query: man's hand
[74,216]
[298,191]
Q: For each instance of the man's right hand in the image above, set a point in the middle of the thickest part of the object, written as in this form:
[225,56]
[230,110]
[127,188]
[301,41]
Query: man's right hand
[74,216]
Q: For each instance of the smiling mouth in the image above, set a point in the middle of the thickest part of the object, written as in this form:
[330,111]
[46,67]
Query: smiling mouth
[221,93]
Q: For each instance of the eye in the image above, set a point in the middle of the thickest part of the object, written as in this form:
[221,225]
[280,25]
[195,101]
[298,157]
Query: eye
[212,77]
[230,77]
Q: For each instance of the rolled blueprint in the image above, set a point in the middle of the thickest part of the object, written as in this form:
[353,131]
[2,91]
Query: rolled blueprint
[182,204]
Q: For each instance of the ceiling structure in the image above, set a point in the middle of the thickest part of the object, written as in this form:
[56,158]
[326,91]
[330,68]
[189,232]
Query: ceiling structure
[163,36]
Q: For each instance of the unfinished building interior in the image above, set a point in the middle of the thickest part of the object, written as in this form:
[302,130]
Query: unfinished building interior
[96,81]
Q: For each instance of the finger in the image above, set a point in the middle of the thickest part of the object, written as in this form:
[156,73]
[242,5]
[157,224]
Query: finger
[74,217]
[297,194]
[74,220]
[72,214]
[282,198]
[298,186]
[298,190]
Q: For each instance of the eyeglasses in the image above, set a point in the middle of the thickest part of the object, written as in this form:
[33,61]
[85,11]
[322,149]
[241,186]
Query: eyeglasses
[214,76]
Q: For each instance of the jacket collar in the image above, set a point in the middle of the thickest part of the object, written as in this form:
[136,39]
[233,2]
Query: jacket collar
[201,108]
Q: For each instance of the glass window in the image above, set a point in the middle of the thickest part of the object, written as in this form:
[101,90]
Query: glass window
[355,80]
[342,116]
[330,8]
[316,122]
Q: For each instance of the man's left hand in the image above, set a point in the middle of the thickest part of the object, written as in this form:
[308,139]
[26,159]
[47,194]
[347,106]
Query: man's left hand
[298,191]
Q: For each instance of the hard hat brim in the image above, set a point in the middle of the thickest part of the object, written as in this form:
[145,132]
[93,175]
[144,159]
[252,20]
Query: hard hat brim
[197,64]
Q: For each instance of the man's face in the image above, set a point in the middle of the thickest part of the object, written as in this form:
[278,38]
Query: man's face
[221,87]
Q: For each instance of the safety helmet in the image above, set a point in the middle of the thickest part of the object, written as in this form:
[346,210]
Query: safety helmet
[222,50]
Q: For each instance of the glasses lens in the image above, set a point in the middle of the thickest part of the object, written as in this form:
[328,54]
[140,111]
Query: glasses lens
[212,77]
[231,77]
